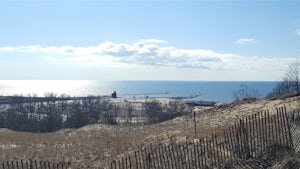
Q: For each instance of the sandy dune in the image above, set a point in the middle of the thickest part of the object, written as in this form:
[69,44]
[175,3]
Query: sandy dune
[95,145]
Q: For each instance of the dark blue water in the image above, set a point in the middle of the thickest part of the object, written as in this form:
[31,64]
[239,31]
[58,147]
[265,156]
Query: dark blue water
[210,91]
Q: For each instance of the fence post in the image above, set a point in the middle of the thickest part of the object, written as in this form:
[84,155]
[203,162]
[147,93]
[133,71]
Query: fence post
[175,158]
[161,156]
[185,155]
[45,164]
[224,157]
[130,166]
[17,163]
[275,130]
[237,143]
[169,157]
[27,165]
[111,164]
[269,128]
[123,163]
[141,159]
[30,164]
[246,138]
[172,160]
[151,156]
[268,143]
[145,158]
[149,160]
[119,164]
[21,164]
[288,121]
[197,157]
[258,135]
[136,159]
[195,153]
[227,146]
[195,127]
[179,156]
[218,150]
[214,150]
[157,154]
[285,129]
[250,122]
[211,152]
[232,140]
[262,129]
[241,138]
[204,152]
[280,127]
[261,135]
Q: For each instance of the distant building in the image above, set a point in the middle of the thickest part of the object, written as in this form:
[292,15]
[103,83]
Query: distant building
[114,94]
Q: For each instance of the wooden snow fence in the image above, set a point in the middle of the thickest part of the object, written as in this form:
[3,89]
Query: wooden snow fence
[247,138]
[32,164]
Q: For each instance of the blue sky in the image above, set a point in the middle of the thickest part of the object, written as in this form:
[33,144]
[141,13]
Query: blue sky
[148,40]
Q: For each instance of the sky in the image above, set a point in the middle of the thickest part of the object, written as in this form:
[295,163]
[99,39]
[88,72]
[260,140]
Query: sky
[190,40]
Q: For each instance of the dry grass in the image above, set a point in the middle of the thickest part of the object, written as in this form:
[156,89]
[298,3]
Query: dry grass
[95,145]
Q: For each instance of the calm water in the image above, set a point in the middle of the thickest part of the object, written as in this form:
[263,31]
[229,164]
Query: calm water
[212,91]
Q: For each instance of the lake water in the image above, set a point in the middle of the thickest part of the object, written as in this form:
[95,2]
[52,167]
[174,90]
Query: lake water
[210,91]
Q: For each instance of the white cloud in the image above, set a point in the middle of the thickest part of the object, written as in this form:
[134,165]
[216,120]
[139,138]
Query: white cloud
[298,33]
[7,49]
[157,54]
[143,52]
[245,41]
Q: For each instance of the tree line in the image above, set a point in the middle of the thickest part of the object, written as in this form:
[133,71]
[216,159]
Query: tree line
[288,86]
[56,112]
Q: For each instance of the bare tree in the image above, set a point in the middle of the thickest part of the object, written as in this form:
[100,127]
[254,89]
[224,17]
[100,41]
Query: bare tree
[292,77]
[110,114]
[153,110]
[290,84]
[245,93]
[129,108]
[177,107]
[63,103]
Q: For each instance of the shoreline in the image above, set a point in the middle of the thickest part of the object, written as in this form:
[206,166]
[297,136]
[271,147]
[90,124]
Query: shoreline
[33,99]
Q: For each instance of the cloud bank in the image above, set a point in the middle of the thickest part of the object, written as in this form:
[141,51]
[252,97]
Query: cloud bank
[150,52]
[157,55]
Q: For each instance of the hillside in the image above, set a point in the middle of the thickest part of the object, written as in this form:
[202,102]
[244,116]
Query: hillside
[96,145]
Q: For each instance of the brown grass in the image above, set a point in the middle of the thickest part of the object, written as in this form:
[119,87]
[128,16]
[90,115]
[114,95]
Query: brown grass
[95,145]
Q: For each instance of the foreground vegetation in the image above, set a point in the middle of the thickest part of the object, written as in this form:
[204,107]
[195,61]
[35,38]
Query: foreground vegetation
[51,113]
[96,145]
